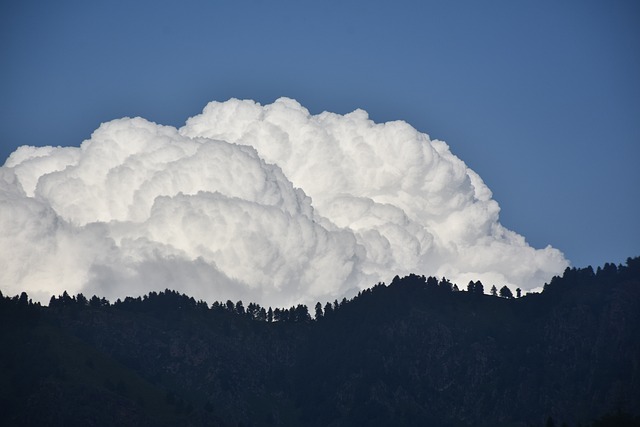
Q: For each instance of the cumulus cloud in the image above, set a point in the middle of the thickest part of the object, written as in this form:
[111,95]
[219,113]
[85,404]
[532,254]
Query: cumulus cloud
[263,203]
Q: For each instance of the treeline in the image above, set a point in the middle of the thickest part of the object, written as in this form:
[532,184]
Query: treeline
[169,300]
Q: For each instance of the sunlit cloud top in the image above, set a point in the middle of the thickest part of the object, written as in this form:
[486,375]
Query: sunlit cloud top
[263,203]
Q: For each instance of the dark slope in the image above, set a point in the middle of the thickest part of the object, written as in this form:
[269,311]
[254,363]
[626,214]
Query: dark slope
[411,353]
[415,353]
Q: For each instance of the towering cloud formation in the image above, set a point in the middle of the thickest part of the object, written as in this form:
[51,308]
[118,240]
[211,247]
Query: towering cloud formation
[262,203]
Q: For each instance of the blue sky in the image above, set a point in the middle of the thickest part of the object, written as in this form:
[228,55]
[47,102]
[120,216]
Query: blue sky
[541,98]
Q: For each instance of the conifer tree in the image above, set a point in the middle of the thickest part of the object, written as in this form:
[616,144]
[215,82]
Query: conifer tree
[505,292]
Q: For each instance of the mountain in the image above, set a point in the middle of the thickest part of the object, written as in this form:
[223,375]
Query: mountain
[415,352]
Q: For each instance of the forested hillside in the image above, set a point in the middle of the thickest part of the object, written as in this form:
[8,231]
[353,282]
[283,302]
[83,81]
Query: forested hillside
[419,351]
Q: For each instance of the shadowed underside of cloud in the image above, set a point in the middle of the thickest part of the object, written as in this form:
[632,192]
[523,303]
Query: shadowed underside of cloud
[263,203]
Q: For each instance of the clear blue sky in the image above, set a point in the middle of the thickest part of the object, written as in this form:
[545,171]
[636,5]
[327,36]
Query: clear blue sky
[541,98]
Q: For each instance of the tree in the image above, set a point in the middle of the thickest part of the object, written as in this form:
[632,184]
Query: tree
[252,310]
[328,309]
[432,282]
[300,313]
[24,299]
[476,288]
[518,292]
[81,299]
[239,307]
[505,292]
[270,315]
[66,299]
[445,284]
[230,306]
[318,311]
[494,290]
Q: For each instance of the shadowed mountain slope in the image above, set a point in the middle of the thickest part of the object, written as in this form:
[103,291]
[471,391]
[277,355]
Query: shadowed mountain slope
[415,352]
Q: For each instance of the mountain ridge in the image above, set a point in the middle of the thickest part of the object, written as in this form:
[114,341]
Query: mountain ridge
[415,352]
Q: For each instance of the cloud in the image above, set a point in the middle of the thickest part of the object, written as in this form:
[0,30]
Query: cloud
[262,203]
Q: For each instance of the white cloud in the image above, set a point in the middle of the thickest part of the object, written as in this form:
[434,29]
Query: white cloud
[264,203]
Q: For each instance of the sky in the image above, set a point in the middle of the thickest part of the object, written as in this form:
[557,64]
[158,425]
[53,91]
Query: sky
[541,99]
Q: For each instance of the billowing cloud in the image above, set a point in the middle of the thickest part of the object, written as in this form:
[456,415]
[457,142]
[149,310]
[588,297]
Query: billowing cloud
[263,203]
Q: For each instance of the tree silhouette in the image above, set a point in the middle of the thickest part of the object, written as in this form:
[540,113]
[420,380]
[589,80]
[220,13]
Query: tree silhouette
[81,299]
[24,299]
[446,284]
[505,292]
[300,313]
[239,307]
[230,306]
[432,282]
[328,309]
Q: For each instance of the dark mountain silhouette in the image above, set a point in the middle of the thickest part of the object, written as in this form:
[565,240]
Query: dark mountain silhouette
[415,352]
